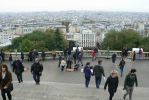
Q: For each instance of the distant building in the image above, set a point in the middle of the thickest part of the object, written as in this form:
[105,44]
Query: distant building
[146,30]
[141,28]
[6,35]
[87,38]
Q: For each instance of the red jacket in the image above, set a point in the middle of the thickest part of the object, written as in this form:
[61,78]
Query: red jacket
[93,53]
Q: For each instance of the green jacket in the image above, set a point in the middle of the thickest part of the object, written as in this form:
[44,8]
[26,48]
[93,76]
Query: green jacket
[130,80]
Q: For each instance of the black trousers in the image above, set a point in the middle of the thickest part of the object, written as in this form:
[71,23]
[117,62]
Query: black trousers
[36,77]
[111,93]
[4,92]
[87,80]
[19,77]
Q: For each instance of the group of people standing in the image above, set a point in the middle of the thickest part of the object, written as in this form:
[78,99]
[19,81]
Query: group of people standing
[66,60]
[112,80]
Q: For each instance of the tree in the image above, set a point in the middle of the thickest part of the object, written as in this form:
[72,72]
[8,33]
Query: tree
[51,39]
[116,40]
[145,43]
[57,40]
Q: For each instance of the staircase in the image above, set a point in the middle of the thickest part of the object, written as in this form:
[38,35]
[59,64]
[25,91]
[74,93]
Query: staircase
[67,91]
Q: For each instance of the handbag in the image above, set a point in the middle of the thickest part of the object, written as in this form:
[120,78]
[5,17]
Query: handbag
[10,87]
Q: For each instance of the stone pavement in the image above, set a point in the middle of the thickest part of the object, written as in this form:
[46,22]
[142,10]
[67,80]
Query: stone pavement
[57,85]
[67,91]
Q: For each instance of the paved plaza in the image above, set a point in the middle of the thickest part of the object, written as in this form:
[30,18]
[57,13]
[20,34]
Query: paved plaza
[57,85]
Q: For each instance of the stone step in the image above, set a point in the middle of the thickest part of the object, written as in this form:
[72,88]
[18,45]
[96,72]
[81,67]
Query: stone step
[69,91]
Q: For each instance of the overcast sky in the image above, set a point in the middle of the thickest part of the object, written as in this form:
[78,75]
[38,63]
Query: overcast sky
[59,5]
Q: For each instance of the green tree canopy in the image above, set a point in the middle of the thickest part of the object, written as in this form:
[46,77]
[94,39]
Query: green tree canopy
[116,40]
[145,44]
[49,40]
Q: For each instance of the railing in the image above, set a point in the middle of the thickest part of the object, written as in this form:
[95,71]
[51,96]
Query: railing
[86,54]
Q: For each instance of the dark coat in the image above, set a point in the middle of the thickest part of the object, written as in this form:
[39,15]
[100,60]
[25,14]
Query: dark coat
[36,68]
[112,83]
[18,66]
[130,80]
[22,55]
[113,58]
[122,63]
[98,71]
[6,81]
[87,71]
[43,54]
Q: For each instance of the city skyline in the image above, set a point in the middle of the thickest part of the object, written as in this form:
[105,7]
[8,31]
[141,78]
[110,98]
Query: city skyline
[65,5]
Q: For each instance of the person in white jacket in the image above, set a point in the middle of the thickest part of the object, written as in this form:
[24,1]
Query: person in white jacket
[63,64]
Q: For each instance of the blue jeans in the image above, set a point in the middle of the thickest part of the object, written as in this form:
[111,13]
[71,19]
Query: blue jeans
[97,81]
[87,80]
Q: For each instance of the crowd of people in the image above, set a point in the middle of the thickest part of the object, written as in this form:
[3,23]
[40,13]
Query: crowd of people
[65,61]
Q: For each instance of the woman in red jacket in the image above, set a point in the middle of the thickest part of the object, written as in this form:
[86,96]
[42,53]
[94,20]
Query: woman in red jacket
[93,55]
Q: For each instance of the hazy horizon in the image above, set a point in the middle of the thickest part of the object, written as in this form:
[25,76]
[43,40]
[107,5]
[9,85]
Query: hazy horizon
[74,5]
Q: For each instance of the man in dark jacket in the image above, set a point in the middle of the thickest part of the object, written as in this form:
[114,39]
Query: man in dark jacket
[98,71]
[22,56]
[18,68]
[113,58]
[36,70]
[43,55]
[130,80]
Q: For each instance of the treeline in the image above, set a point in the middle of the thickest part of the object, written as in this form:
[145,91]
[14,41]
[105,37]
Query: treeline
[116,40]
[48,40]
[55,40]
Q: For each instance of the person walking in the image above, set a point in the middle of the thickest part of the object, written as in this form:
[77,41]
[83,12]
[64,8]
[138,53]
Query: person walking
[18,68]
[130,80]
[36,70]
[98,71]
[43,55]
[121,66]
[113,58]
[112,82]
[10,60]
[22,56]
[6,85]
[87,74]
[133,56]
[80,59]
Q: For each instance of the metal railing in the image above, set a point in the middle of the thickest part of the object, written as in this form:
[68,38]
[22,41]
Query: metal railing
[86,54]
